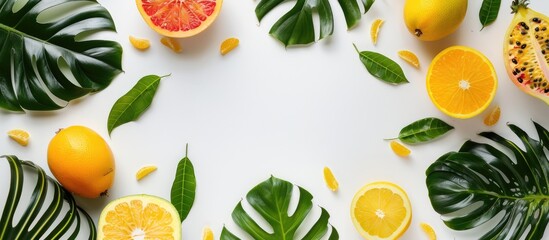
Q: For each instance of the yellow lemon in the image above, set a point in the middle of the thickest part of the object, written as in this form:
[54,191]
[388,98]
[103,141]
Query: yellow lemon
[81,161]
[432,20]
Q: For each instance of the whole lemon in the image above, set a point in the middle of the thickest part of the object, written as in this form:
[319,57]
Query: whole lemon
[432,20]
[81,161]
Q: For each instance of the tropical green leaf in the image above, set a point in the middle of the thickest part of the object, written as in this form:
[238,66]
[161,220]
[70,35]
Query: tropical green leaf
[482,181]
[424,130]
[367,5]
[271,199]
[38,55]
[184,187]
[134,103]
[489,12]
[55,219]
[296,27]
[382,67]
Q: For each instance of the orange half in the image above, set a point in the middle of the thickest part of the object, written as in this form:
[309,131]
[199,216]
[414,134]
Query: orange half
[179,18]
[461,82]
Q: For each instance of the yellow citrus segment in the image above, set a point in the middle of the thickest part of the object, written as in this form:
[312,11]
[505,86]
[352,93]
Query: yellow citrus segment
[400,149]
[429,231]
[139,43]
[493,117]
[409,57]
[374,29]
[228,45]
[381,210]
[20,136]
[207,234]
[461,82]
[330,179]
[171,44]
[179,19]
[144,171]
[139,217]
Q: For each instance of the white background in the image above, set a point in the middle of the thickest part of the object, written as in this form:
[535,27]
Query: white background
[263,109]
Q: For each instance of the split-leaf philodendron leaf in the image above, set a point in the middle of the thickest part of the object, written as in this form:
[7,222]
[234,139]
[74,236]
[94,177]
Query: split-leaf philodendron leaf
[481,181]
[296,27]
[44,65]
[271,199]
[50,212]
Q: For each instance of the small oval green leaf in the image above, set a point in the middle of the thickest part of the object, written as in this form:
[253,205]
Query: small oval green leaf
[183,187]
[130,106]
[382,67]
[489,12]
[424,130]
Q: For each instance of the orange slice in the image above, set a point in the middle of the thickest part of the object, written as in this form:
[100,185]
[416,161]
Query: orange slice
[144,171]
[171,44]
[330,179]
[428,230]
[493,117]
[139,217]
[20,136]
[381,210]
[409,57]
[139,43]
[400,149]
[207,234]
[228,45]
[179,18]
[461,82]
[374,30]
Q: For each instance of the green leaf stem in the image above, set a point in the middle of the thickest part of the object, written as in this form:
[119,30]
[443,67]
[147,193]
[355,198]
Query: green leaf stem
[184,187]
[382,67]
[134,103]
[423,130]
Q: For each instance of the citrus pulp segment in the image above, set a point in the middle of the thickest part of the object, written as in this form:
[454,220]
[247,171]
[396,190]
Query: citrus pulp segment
[374,30]
[139,43]
[144,171]
[493,117]
[20,136]
[428,230]
[409,57]
[399,149]
[179,18]
[381,210]
[228,45]
[330,179]
[461,82]
[139,217]
[171,44]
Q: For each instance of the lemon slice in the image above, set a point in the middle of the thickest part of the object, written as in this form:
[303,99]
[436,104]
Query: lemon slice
[428,230]
[374,30]
[228,45]
[399,149]
[409,57]
[330,179]
[139,217]
[144,171]
[140,43]
[381,210]
[20,136]
[207,234]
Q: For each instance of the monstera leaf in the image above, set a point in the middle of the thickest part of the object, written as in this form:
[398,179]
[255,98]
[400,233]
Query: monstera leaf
[44,65]
[484,181]
[44,215]
[296,26]
[271,199]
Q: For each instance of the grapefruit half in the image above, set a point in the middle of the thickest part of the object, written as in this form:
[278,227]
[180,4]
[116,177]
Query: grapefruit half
[179,18]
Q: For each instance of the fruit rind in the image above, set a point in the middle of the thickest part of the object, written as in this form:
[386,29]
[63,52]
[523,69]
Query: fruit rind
[395,189]
[145,198]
